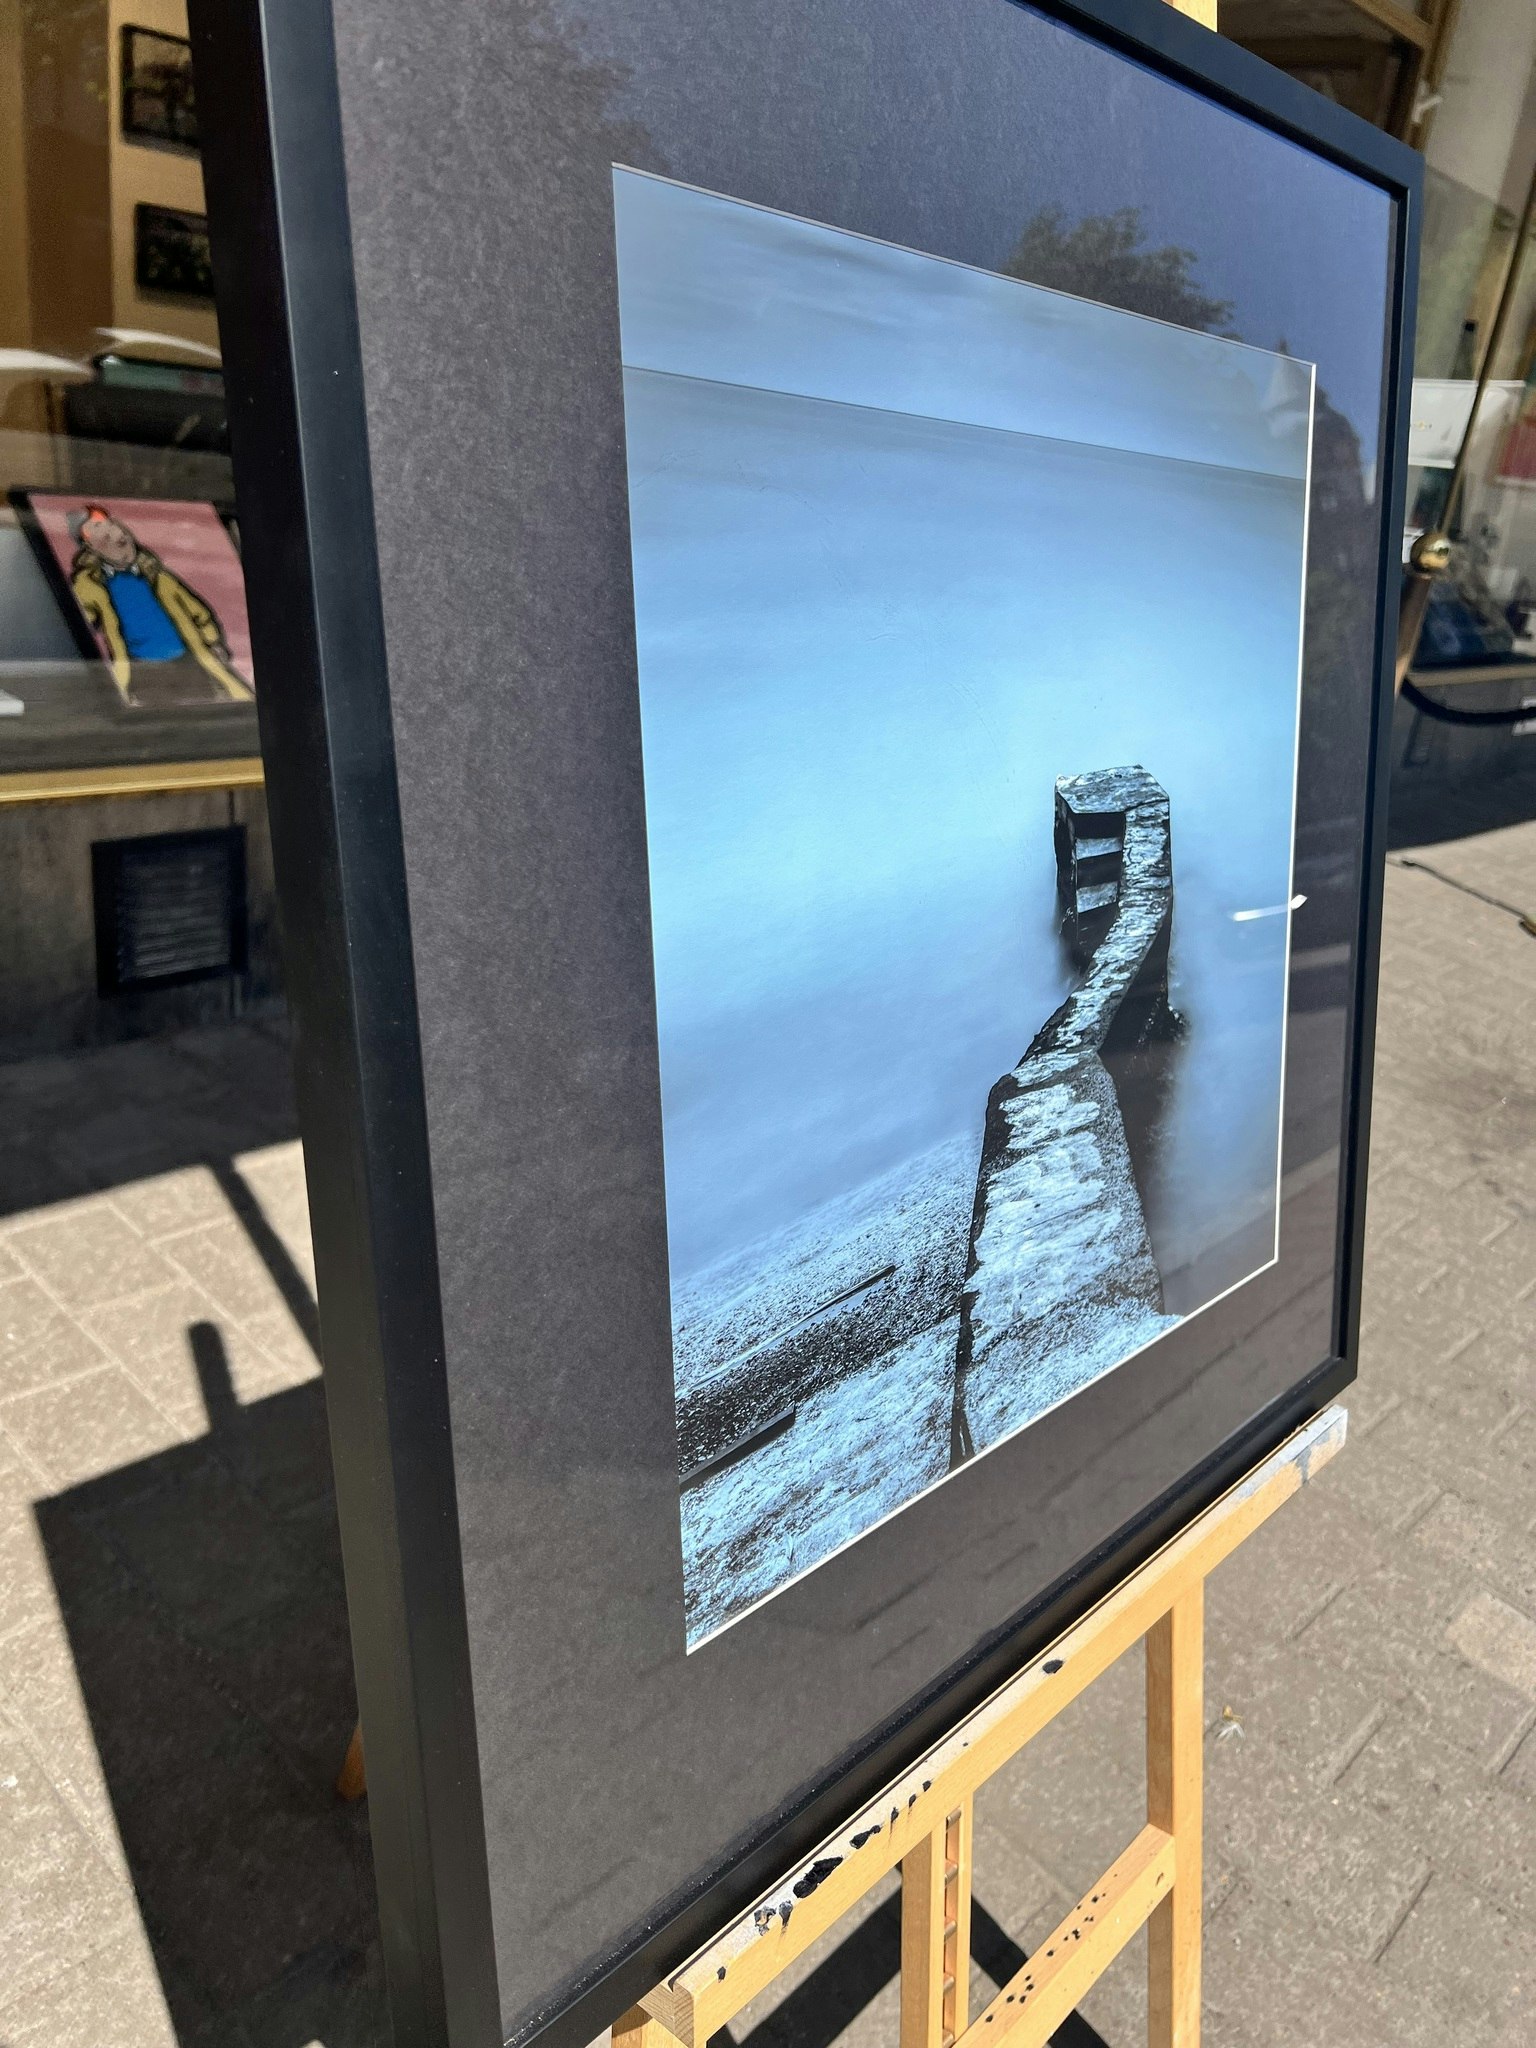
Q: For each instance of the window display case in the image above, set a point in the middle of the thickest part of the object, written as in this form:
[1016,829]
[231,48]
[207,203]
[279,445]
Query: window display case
[124,653]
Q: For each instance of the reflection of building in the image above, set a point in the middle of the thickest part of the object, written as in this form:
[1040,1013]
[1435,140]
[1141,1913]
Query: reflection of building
[111,389]
[1457,78]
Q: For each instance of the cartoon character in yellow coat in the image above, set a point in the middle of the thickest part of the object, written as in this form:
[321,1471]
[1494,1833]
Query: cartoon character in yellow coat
[165,645]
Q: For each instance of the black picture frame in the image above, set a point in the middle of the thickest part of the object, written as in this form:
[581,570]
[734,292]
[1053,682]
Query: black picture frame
[157,103]
[277,181]
[171,256]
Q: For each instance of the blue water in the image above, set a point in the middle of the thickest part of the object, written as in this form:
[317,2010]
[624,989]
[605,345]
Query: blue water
[869,643]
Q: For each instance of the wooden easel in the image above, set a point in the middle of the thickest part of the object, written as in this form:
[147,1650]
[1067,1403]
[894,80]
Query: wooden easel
[922,1822]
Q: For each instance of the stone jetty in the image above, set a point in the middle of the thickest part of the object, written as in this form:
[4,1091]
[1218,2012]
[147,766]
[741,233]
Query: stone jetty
[1060,1280]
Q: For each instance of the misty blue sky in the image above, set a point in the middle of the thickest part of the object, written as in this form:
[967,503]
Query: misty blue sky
[713,289]
[871,638]
[949,128]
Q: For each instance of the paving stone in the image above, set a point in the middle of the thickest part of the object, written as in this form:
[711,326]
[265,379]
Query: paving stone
[34,1565]
[120,1142]
[1516,1451]
[1273,1823]
[1369,1400]
[1481,1539]
[1519,1773]
[166,1202]
[1392,1623]
[289,1348]
[59,1901]
[1385,1488]
[279,1449]
[87,1255]
[1074,1841]
[220,1259]
[40,1687]
[39,1344]
[1274,1978]
[1017,1889]
[194,1540]
[88,1425]
[112,2000]
[292,1668]
[1499,1639]
[1298,1561]
[156,1337]
[1452,1455]
[1476,1384]
[331,1994]
[1457,1948]
[275,1177]
[25,1582]
[1278,1697]
[27,1313]
[1462,1817]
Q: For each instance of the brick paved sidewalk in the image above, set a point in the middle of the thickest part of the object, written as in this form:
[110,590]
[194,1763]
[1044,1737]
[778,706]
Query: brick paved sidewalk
[1371,1844]
[174,1686]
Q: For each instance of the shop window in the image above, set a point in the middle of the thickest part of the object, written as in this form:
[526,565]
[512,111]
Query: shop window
[125,656]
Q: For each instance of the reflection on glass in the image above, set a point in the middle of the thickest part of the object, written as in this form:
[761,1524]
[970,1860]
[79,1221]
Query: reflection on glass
[1472,471]
[122,614]
[1480,619]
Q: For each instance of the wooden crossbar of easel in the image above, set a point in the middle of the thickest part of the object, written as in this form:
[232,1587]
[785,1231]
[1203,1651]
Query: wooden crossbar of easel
[922,1822]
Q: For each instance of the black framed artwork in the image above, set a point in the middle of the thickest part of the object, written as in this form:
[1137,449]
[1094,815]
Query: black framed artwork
[827,789]
[159,99]
[170,252]
[152,589]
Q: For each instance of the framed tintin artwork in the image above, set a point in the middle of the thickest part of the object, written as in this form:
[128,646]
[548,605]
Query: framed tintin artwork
[827,793]
[153,588]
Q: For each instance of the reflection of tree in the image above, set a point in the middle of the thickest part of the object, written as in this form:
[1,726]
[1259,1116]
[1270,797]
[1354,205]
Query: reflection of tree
[1103,257]
[1338,656]
[1341,547]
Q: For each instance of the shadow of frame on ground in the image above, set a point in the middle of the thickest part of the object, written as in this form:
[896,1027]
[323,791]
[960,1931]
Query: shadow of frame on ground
[202,1596]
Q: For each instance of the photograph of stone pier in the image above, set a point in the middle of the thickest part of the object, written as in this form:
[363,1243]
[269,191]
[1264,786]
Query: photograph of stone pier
[967,620]
[947,1306]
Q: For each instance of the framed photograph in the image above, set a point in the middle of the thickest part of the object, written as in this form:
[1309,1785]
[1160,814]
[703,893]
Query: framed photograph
[834,921]
[153,588]
[170,252]
[941,881]
[159,100]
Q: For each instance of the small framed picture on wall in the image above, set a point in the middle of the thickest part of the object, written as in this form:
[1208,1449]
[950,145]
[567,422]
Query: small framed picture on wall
[159,100]
[170,252]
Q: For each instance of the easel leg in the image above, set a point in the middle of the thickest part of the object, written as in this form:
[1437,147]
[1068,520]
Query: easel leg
[638,2030]
[936,1934]
[1175,1739]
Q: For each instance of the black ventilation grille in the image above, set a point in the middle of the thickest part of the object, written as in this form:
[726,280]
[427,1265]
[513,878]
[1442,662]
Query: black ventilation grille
[170,908]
